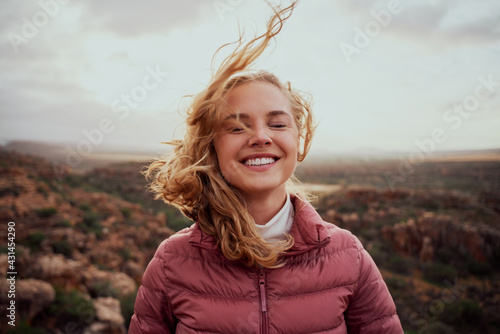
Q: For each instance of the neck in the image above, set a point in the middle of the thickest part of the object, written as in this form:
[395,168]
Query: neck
[263,207]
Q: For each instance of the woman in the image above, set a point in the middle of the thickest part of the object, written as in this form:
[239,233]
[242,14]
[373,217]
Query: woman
[259,259]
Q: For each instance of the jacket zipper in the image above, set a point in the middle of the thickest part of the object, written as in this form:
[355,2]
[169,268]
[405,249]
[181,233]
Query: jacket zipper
[263,303]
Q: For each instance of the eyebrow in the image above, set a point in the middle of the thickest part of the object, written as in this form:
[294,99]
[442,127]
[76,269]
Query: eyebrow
[272,113]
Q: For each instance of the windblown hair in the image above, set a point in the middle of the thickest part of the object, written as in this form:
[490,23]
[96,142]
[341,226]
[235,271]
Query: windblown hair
[190,179]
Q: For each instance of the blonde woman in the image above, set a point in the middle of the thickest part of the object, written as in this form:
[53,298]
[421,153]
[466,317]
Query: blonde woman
[259,259]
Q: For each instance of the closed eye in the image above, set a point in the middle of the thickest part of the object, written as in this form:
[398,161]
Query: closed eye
[278,125]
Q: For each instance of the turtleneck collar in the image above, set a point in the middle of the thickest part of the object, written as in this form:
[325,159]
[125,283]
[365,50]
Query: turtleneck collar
[281,224]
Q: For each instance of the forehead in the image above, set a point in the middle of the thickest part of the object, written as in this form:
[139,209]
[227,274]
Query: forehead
[256,97]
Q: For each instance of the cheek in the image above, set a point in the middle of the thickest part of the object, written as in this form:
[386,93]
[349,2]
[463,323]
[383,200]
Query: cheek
[224,152]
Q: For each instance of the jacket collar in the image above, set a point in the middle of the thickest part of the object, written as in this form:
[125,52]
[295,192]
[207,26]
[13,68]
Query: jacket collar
[308,230]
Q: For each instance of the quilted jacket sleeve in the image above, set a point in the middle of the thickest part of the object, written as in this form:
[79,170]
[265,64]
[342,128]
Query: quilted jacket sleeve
[152,310]
[372,309]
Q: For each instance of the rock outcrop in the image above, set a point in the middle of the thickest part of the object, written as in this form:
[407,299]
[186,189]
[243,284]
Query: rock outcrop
[74,248]
[420,237]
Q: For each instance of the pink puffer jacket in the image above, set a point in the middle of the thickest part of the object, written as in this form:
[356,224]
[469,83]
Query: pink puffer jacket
[329,285]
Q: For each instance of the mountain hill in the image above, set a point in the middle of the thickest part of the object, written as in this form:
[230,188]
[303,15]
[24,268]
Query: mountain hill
[82,242]
[79,253]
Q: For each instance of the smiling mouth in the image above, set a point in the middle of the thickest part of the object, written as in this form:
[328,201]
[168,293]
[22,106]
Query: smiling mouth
[259,161]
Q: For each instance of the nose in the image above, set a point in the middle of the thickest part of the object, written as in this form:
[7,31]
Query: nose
[260,137]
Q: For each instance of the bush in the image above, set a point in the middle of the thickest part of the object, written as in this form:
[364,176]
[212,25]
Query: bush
[397,286]
[379,251]
[495,259]
[24,328]
[92,223]
[175,220]
[74,180]
[14,190]
[42,190]
[439,272]
[464,314]
[399,264]
[63,247]
[85,207]
[125,253]
[479,268]
[72,307]
[46,212]
[127,307]
[34,241]
[445,255]
[439,328]
[64,223]
[126,212]
[103,288]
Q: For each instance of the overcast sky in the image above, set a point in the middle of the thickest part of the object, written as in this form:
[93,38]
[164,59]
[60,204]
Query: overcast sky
[384,75]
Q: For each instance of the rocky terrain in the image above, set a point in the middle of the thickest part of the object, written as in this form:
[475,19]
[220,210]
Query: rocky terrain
[80,254]
[84,240]
[438,247]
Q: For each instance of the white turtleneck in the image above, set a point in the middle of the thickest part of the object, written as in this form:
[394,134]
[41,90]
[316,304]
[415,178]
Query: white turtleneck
[275,229]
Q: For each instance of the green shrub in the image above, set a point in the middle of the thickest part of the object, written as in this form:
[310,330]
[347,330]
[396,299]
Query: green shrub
[464,314]
[127,307]
[379,251]
[63,247]
[92,223]
[14,190]
[175,220]
[495,258]
[72,307]
[126,212]
[439,328]
[395,283]
[399,264]
[46,212]
[445,255]
[74,180]
[85,207]
[103,288]
[397,286]
[42,190]
[22,327]
[64,223]
[34,241]
[439,272]
[125,253]
[479,268]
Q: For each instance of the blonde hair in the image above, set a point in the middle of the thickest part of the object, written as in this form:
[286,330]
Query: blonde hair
[190,179]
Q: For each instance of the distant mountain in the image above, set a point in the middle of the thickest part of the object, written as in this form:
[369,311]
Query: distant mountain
[67,154]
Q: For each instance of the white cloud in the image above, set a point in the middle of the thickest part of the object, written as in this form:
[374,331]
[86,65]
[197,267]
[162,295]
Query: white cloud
[65,78]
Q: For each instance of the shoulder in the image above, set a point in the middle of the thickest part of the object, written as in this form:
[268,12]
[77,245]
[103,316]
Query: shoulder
[341,238]
[176,243]
[189,245]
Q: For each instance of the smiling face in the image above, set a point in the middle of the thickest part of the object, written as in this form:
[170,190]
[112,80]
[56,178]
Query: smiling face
[257,146]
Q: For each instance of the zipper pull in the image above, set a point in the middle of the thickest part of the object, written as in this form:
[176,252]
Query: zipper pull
[262,286]
[263,302]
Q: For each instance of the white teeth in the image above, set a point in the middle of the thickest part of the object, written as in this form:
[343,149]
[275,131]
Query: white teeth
[259,161]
